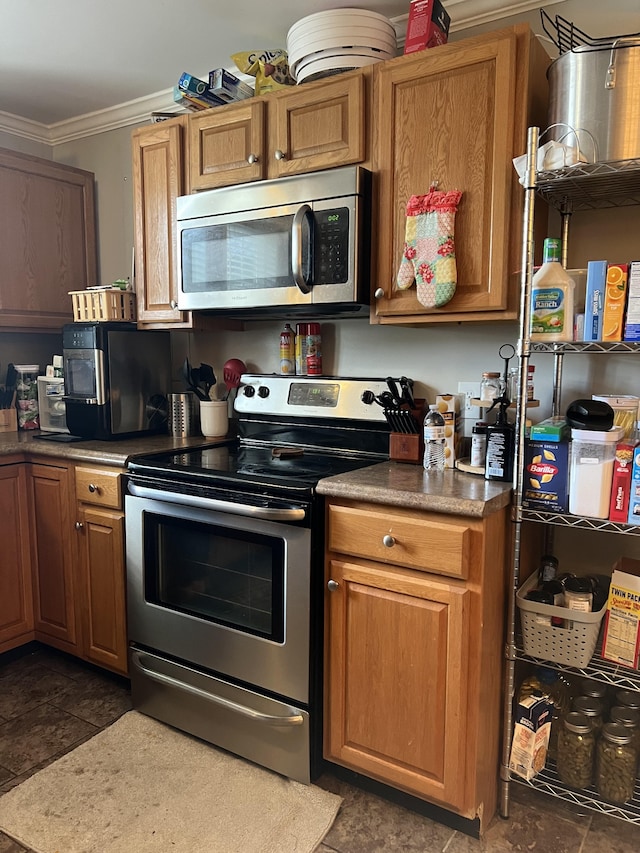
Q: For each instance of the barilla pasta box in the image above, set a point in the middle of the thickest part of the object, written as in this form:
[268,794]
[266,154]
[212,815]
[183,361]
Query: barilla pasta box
[594,300]
[449,407]
[545,485]
[531,734]
[615,300]
[621,638]
[633,516]
[621,483]
[428,25]
[632,321]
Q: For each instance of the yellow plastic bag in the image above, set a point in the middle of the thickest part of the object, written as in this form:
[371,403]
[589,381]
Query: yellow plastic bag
[269,67]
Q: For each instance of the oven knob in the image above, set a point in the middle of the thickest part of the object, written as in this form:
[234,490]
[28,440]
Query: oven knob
[332,586]
[249,390]
[263,391]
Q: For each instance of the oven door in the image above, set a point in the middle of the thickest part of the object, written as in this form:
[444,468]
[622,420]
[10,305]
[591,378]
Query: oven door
[226,592]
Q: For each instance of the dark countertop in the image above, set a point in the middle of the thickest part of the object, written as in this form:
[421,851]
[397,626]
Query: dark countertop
[411,487]
[115,453]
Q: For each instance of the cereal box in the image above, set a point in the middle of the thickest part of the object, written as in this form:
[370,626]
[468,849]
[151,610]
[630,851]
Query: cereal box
[633,516]
[621,641]
[615,297]
[449,408]
[545,484]
[594,300]
[428,25]
[531,736]
[632,322]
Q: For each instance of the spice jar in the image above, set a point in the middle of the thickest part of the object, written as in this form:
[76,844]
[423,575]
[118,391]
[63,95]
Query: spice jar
[616,760]
[592,709]
[576,751]
[491,386]
[578,594]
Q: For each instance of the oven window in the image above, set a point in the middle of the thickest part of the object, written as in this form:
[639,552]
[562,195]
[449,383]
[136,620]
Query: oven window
[231,577]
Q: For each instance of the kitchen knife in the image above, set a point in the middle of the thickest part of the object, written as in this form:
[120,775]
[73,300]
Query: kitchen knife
[407,391]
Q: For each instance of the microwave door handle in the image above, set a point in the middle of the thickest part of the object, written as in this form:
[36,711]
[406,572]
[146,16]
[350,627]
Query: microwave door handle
[296,248]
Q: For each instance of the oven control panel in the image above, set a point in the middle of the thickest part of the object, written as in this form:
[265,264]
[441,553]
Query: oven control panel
[310,396]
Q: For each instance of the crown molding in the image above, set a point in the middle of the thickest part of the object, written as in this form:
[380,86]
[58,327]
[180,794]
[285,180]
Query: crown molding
[465,14]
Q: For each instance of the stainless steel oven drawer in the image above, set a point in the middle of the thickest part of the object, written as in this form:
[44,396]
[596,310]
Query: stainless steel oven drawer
[264,730]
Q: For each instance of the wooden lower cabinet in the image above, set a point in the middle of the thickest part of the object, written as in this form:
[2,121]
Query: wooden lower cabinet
[413,659]
[16,606]
[78,561]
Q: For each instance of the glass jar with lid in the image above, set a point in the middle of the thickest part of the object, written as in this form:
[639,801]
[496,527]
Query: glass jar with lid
[628,698]
[576,751]
[592,709]
[630,718]
[491,386]
[616,763]
[596,690]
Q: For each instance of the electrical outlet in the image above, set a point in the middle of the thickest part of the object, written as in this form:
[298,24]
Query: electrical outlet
[469,391]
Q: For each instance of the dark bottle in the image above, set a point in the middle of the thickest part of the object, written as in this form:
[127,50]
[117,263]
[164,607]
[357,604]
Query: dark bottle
[501,442]
[548,569]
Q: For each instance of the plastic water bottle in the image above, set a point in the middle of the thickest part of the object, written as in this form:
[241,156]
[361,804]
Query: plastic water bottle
[434,440]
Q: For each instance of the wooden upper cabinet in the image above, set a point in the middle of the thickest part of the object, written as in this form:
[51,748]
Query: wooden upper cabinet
[158,180]
[47,240]
[455,115]
[296,130]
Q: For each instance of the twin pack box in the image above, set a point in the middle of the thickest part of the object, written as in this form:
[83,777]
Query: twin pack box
[428,25]
[621,641]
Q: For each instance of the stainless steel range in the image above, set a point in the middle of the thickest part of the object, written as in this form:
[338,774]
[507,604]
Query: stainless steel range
[225,564]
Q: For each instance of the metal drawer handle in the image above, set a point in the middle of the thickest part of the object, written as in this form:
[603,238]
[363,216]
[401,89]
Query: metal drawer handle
[79,525]
[388,541]
[93,488]
[252,158]
[332,585]
[378,293]
[269,719]
[173,304]
[279,155]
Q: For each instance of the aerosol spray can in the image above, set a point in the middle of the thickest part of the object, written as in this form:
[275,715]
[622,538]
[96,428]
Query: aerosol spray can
[302,330]
[287,351]
[314,350]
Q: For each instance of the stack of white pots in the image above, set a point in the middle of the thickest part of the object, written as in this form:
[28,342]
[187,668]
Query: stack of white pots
[338,40]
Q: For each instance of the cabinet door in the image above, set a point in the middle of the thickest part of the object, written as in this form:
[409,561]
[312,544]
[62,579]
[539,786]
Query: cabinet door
[16,606]
[157,182]
[396,683]
[227,145]
[53,555]
[102,583]
[47,240]
[447,116]
[317,127]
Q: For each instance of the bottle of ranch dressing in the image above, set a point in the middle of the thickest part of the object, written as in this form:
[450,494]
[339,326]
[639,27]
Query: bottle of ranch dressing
[552,291]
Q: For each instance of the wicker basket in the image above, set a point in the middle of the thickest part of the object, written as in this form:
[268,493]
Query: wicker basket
[96,306]
[572,646]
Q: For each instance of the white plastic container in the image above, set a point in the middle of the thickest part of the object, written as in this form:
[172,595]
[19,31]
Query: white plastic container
[591,471]
[51,404]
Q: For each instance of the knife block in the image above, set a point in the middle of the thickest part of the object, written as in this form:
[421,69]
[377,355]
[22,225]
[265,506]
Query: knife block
[9,420]
[405,447]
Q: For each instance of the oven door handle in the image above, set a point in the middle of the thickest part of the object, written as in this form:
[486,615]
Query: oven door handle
[269,514]
[267,719]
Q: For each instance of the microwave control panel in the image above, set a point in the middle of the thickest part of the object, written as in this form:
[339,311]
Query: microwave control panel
[331,246]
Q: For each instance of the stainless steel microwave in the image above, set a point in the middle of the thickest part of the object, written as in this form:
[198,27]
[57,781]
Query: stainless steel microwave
[300,243]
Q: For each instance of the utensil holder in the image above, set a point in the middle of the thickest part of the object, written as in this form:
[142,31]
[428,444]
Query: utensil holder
[409,447]
[184,413]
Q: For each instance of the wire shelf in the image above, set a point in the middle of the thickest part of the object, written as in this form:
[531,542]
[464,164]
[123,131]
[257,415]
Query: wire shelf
[579,521]
[585,346]
[591,186]
[548,782]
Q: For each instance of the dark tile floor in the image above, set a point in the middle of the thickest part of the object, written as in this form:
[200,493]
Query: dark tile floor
[51,702]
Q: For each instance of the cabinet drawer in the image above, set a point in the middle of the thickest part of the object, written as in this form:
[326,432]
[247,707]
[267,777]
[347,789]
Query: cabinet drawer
[99,486]
[428,545]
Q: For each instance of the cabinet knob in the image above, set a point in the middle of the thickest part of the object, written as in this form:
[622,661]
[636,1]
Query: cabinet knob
[388,541]
[173,304]
[79,525]
[279,155]
[332,586]
[93,489]
[252,158]
[378,293]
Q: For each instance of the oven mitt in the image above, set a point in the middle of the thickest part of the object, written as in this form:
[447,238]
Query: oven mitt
[429,252]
